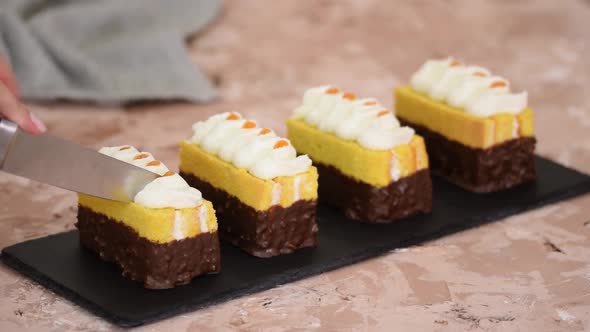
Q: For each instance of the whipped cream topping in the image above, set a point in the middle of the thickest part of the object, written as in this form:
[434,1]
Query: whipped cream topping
[168,191]
[471,88]
[241,142]
[362,120]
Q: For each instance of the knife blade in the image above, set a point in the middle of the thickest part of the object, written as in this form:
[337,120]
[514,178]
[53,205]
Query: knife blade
[63,164]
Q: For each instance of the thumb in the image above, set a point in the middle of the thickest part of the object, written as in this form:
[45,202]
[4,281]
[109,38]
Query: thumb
[12,109]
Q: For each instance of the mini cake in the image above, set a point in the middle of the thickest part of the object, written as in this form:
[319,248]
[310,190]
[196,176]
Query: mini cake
[265,195]
[167,236]
[479,134]
[369,166]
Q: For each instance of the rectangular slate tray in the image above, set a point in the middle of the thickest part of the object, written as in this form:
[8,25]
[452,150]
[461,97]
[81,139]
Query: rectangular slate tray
[60,264]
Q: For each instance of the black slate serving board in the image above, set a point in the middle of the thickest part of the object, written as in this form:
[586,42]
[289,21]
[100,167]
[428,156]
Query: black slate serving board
[58,262]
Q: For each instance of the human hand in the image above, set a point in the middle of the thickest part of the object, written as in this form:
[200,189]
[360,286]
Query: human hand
[11,107]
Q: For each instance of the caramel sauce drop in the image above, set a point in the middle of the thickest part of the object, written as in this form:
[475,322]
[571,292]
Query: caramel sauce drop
[233,116]
[154,163]
[479,74]
[123,148]
[349,96]
[280,144]
[249,124]
[141,156]
[498,84]
[169,173]
[455,63]
[370,103]
[264,131]
[333,90]
[382,113]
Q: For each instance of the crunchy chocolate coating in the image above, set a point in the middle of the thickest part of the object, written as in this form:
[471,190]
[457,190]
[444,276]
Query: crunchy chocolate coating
[361,201]
[499,167]
[273,232]
[156,265]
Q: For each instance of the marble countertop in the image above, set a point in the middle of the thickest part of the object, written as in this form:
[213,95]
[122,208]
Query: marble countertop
[530,272]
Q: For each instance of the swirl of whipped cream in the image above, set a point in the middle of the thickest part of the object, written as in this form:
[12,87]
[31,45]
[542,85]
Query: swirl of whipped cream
[471,88]
[241,142]
[362,120]
[168,191]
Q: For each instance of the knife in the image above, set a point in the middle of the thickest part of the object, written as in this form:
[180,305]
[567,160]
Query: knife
[63,164]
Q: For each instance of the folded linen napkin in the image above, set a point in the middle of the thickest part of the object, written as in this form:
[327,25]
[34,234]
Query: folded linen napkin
[106,51]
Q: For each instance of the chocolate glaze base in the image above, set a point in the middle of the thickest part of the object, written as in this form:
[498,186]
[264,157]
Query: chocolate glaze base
[499,167]
[275,231]
[156,265]
[361,201]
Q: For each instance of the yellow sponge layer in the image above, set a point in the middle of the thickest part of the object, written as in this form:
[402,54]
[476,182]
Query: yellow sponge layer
[365,165]
[457,125]
[249,189]
[156,225]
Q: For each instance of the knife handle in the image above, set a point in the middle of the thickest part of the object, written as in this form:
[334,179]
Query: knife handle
[8,132]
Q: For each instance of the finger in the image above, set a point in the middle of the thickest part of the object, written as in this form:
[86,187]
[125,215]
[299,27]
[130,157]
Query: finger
[12,109]
[7,77]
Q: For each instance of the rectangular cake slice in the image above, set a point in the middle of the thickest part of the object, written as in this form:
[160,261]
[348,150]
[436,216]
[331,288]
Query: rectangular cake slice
[478,134]
[265,196]
[369,166]
[163,239]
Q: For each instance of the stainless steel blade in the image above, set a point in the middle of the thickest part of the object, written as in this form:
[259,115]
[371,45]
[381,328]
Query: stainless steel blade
[51,160]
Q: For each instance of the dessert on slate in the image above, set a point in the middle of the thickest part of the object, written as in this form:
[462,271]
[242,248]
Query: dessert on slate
[369,166]
[478,133]
[167,236]
[264,194]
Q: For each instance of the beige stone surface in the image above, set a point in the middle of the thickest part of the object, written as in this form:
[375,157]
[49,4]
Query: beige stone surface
[530,272]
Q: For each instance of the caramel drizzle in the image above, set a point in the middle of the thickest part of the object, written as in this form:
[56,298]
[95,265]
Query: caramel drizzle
[249,124]
[126,147]
[154,163]
[382,113]
[169,173]
[233,116]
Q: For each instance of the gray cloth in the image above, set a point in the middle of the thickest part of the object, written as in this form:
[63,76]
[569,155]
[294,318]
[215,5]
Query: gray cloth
[108,51]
